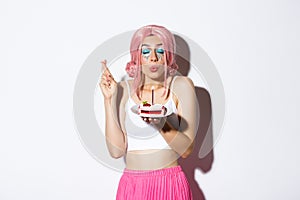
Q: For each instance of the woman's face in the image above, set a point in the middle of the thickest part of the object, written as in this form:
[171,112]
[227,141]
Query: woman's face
[152,57]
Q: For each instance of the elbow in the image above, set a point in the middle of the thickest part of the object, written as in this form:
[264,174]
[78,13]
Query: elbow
[188,151]
[186,154]
[117,155]
[117,152]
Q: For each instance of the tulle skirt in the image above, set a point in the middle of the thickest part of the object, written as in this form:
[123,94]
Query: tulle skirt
[162,184]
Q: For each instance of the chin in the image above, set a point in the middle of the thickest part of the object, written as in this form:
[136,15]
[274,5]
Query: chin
[157,78]
[154,75]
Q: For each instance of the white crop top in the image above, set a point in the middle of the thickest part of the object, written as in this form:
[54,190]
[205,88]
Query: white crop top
[140,135]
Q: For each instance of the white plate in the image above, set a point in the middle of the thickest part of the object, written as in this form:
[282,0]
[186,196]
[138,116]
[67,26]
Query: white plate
[135,109]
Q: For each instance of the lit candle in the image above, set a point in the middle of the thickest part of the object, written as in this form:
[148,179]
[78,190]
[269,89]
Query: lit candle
[152,90]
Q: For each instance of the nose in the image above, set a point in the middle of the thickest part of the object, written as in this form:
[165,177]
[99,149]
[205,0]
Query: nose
[153,57]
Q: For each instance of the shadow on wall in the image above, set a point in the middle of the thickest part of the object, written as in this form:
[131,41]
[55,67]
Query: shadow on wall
[202,156]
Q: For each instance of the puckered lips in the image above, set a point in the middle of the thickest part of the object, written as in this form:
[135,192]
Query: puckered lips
[154,68]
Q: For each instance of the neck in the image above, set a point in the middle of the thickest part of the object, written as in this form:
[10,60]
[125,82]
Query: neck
[147,84]
[156,83]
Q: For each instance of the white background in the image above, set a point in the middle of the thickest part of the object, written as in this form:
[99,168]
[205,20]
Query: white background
[254,45]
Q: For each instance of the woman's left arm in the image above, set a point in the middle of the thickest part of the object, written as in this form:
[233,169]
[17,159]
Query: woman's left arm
[181,139]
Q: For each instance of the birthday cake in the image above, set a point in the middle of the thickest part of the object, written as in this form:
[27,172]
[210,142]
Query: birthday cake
[153,111]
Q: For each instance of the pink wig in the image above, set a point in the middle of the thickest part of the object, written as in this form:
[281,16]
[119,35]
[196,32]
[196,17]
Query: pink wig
[133,67]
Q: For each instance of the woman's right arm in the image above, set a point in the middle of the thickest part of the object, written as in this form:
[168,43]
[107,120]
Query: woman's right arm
[115,137]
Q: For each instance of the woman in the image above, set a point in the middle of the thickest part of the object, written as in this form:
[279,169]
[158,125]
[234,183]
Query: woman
[151,146]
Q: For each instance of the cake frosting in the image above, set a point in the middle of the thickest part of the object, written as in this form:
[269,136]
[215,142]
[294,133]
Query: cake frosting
[147,110]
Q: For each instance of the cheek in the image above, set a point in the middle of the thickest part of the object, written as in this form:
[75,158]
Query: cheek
[144,71]
[144,60]
[160,57]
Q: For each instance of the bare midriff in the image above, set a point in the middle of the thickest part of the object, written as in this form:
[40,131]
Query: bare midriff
[151,159]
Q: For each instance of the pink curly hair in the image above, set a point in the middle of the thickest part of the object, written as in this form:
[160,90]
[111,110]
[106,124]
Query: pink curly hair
[133,68]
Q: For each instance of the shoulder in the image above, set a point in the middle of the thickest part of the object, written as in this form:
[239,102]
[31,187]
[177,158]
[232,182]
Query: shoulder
[183,83]
[183,89]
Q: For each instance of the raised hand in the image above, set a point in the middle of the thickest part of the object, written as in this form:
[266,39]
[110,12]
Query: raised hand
[107,84]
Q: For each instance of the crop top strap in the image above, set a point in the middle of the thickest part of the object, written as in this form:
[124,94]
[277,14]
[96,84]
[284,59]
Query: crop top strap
[128,87]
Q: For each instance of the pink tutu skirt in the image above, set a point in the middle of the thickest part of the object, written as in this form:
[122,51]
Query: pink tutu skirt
[162,184]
